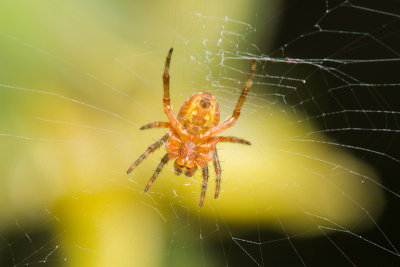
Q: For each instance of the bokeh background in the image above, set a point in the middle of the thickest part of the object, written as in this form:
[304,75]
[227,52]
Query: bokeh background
[318,187]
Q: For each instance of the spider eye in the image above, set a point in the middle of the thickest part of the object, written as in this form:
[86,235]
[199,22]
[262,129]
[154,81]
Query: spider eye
[205,103]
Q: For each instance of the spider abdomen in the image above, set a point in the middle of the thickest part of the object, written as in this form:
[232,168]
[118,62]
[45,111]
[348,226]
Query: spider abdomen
[199,113]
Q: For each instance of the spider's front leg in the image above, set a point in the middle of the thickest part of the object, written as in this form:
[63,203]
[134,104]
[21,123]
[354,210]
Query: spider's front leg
[164,161]
[149,150]
[217,168]
[204,186]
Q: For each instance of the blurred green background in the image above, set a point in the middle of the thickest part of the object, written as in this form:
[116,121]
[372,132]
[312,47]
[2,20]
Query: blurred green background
[78,79]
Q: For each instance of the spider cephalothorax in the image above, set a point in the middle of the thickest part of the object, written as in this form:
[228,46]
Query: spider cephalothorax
[192,139]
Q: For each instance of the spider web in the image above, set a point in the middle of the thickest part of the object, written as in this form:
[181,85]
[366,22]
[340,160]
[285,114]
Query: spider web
[317,187]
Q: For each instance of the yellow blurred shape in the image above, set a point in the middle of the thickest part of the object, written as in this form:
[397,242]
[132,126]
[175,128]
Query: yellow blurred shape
[109,230]
[302,180]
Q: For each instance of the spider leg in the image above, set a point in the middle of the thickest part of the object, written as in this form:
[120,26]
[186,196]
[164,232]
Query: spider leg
[149,150]
[217,168]
[204,188]
[158,124]
[178,127]
[164,160]
[236,112]
[233,139]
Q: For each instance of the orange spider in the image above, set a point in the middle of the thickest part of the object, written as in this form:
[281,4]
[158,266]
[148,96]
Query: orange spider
[192,139]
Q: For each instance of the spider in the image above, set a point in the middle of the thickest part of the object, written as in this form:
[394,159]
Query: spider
[192,139]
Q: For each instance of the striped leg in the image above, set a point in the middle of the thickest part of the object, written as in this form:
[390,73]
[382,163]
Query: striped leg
[158,124]
[149,150]
[158,170]
[217,168]
[175,124]
[233,139]
[204,188]
[236,112]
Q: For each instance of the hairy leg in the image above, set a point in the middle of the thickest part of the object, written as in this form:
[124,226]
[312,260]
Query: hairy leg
[175,124]
[233,139]
[236,112]
[164,160]
[158,124]
[217,168]
[149,150]
[204,187]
